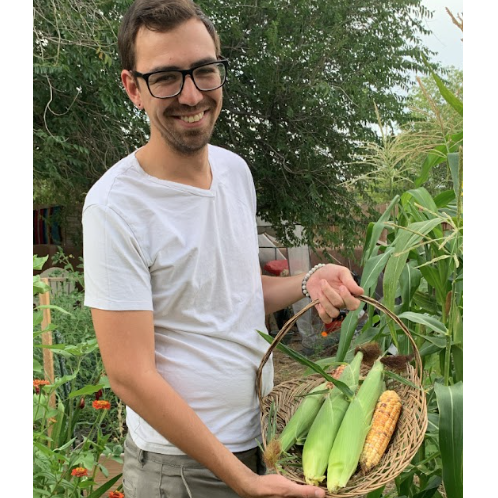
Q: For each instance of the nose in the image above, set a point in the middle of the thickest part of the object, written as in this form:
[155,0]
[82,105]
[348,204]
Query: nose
[190,95]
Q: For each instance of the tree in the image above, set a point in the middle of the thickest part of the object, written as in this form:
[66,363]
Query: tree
[81,117]
[304,76]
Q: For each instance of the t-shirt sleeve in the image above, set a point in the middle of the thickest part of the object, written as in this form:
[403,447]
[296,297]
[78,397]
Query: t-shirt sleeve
[116,271]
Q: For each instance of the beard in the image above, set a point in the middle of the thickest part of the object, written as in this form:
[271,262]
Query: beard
[189,141]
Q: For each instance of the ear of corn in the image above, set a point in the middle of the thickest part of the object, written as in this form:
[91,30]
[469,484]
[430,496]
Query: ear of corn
[384,422]
[350,439]
[299,424]
[323,431]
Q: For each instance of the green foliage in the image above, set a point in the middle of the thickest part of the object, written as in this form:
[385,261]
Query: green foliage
[421,267]
[303,79]
[434,128]
[81,117]
[68,432]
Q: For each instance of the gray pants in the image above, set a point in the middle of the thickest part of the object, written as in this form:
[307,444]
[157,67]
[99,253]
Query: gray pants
[153,475]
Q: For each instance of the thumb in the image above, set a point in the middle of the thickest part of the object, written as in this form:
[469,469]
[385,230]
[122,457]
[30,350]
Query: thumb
[312,492]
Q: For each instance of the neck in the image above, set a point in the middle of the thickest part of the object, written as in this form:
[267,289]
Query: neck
[167,164]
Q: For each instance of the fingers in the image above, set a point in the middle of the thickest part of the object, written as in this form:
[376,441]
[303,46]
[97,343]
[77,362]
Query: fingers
[332,301]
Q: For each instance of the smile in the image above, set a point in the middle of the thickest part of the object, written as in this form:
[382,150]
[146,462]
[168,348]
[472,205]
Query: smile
[192,119]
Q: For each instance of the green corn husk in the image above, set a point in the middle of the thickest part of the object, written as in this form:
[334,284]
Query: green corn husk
[299,424]
[324,429]
[348,444]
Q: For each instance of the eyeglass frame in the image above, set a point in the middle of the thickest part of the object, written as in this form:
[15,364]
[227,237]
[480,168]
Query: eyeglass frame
[184,73]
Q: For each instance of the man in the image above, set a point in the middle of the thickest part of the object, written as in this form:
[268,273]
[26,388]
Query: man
[172,274]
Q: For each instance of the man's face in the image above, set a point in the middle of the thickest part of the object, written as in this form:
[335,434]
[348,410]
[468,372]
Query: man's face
[184,122]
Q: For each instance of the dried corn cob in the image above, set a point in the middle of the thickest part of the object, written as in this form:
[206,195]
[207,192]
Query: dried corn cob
[350,439]
[324,429]
[384,422]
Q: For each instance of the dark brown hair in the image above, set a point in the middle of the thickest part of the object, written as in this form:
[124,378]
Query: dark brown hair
[157,15]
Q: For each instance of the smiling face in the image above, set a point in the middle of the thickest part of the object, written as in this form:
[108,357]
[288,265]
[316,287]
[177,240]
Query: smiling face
[186,122]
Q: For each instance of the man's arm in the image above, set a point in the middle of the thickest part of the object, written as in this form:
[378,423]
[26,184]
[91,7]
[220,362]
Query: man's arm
[332,284]
[126,341]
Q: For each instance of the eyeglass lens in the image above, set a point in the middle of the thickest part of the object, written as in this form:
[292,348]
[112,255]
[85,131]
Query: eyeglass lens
[169,83]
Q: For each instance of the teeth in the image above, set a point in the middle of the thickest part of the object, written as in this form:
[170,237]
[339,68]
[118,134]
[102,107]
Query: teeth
[192,119]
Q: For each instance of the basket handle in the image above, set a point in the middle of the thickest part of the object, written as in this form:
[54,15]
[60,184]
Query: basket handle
[288,325]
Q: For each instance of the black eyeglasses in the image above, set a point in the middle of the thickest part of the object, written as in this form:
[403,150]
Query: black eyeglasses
[167,84]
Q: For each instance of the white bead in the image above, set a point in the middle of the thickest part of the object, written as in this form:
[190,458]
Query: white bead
[307,276]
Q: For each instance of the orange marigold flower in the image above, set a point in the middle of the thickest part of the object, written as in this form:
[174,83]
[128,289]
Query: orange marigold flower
[324,334]
[116,494]
[101,404]
[79,472]
[39,382]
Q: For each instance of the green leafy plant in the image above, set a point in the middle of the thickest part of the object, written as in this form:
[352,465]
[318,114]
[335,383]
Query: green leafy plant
[421,266]
[70,434]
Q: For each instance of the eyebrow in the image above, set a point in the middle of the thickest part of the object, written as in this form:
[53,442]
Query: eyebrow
[200,62]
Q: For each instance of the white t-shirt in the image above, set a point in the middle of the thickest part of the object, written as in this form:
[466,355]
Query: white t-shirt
[191,256]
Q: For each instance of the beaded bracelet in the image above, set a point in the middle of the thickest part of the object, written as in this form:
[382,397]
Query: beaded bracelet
[306,278]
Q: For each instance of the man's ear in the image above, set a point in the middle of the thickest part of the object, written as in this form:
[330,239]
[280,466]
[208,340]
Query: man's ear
[130,84]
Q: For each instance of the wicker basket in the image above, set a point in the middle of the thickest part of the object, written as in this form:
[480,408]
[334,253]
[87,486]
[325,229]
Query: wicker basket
[410,429]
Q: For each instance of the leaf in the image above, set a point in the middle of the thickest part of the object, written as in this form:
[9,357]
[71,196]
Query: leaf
[399,378]
[310,364]
[374,230]
[448,95]
[53,307]
[105,487]
[372,270]
[426,320]
[444,198]
[38,262]
[421,196]
[450,405]
[410,282]
[348,329]
[406,239]
[430,488]
[453,163]
[457,356]
[376,494]
[86,390]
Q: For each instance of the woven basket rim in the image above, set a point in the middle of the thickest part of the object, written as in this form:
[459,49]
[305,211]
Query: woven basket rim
[408,436]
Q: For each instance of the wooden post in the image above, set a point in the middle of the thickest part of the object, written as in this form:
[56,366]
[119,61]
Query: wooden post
[46,337]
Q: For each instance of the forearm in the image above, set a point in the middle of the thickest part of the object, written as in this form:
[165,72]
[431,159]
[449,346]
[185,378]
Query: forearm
[163,408]
[280,292]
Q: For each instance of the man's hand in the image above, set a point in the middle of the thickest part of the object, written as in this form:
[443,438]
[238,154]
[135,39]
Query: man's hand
[277,486]
[336,289]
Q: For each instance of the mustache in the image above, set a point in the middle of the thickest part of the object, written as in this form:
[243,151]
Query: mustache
[186,109]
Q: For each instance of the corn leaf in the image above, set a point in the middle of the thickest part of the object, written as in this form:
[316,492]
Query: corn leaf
[374,231]
[430,488]
[450,405]
[410,282]
[372,270]
[399,378]
[448,95]
[428,321]
[308,363]
[376,494]
[407,238]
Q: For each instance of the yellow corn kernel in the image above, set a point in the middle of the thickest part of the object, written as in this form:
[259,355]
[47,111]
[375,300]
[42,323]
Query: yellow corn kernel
[384,422]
